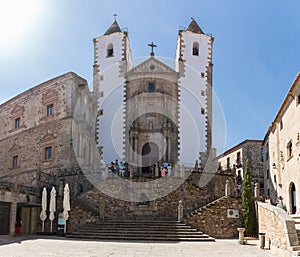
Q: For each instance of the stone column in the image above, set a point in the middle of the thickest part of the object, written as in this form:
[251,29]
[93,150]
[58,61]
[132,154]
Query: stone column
[180,211]
[227,189]
[181,171]
[256,190]
[101,212]
[176,170]
[156,170]
[241,235]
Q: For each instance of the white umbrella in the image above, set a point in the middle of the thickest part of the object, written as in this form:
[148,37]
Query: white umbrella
[52,206]
[43,214]
[66,205]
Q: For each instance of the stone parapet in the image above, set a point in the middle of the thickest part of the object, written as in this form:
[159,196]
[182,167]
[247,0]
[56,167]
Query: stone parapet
[278,226]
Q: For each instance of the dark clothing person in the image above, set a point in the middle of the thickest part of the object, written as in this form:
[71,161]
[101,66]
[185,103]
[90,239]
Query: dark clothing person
[18,227]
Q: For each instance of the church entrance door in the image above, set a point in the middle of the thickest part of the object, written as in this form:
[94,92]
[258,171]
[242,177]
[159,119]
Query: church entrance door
[149,157]
[293,198]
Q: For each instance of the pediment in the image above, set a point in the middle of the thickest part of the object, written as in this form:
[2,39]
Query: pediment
[17,110]
[151,65]
[15,147]
[48,136]
[50,96]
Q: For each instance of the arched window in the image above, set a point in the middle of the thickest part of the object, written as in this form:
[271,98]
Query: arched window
[196,48]
[110,50]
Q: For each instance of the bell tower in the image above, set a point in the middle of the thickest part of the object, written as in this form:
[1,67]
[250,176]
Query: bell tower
[194,63]
[112,60]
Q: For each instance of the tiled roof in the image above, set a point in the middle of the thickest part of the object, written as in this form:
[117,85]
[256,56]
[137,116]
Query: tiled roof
[113,29]
[194,27]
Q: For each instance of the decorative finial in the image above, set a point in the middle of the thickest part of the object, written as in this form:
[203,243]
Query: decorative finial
[115,15]
[193,16]
[152,46]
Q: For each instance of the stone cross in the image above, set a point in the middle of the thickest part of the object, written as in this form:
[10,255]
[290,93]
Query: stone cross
[152,46]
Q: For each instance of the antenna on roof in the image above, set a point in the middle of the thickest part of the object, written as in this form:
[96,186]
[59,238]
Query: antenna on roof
[115,15]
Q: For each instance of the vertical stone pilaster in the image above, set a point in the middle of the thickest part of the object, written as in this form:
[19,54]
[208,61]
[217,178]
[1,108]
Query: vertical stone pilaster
[13,217]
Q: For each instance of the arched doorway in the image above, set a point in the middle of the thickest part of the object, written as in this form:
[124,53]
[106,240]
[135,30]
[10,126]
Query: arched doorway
[150,157]
[293,205]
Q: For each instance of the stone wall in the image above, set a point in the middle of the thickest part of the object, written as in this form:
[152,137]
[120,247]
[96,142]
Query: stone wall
[214,220]
[278,226]
[164,208]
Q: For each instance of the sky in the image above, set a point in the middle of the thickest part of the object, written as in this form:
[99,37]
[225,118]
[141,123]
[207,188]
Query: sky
[255,54]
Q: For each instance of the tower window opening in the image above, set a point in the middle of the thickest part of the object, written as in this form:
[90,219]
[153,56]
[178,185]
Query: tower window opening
[151,87]
[110,50]
[196,48]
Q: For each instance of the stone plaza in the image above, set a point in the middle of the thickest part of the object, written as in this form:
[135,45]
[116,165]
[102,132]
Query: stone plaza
[57,246]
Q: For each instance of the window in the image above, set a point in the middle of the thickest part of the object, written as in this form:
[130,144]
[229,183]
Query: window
[202,74]
[202,111]
[275,179]
[228,163]
[15,161]
[196,48]
[150,124]
[267,152]
[48,153]
[268,174]
[110,50]
[151,87]
[262,155]
[281,125]
[50,109]
[17,122]
[238,158]
[298,100]
[202,92]
[289,149]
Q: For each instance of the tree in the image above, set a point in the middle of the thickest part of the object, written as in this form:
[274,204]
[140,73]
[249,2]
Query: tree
[248,203]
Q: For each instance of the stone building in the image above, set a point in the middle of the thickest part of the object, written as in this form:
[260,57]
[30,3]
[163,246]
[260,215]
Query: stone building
[149,111]
[282,151]
[235,159]
[36,144]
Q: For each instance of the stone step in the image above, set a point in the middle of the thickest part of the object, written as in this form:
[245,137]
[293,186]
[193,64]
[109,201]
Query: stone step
[141,238]
[171,222]
[157,230]
[143,233]
[162,227]
[294,248]
[141,230]
[295,253]
[137,232]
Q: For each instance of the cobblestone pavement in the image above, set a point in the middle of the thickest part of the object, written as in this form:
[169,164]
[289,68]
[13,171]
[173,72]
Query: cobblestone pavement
[55,246]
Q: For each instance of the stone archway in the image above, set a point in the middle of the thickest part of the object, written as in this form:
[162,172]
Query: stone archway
[150,156]
[292,196]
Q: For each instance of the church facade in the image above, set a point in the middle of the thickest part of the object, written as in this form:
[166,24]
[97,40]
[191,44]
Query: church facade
[153,113]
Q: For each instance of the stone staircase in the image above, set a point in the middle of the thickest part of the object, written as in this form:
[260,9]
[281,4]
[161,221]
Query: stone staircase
[140,230]
[296,249]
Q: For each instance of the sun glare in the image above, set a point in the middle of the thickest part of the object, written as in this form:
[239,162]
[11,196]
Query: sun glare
[16,19]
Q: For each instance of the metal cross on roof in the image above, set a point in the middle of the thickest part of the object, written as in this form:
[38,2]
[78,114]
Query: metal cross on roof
[115,15]
[152,46]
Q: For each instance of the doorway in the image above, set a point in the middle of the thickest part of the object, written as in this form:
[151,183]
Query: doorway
[149,157]
[293,198]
